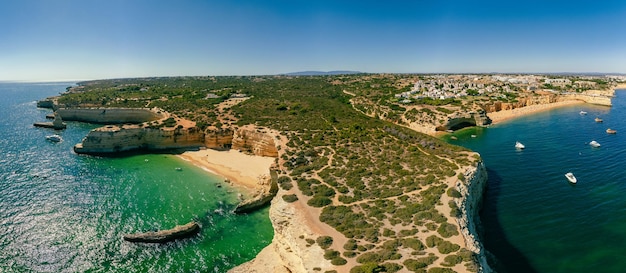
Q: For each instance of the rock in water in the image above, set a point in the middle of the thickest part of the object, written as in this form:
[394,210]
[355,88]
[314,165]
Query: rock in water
[164,236]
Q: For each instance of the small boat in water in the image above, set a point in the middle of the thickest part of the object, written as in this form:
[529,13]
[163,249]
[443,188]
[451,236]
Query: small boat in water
[571,177]
[583,112]
[54,138]
[519,145]
[594,144]
[611,131]
[597,119]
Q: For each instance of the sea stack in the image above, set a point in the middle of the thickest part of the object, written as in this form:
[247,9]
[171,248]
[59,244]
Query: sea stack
[57,124]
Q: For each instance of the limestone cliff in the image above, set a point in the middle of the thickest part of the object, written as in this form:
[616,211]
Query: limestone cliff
[221,138]
[269,189]
[471,189]
[111,115]
[460,120]
[288,252]
[112,139]
[258,141]
[599,97]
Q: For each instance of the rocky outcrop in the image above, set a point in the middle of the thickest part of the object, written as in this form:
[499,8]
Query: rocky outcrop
[221,138]
[111,115]
[471,189]
[57,124]
[289,251]
[461,120]
[46,103]
[257,141]
[163,236]
[601,98]
[263,197]
[112,139]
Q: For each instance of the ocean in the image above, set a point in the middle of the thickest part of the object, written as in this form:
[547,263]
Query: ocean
[533,219]
[63,212]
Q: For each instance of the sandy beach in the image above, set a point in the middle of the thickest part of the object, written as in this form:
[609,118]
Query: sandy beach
[241,169]
[500,116]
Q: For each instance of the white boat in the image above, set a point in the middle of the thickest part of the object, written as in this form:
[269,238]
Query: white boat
[583,112]
[594,144]
[54,138]
[571,177]
[519,145]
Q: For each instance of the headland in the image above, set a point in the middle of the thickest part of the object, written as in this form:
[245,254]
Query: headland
[356,191]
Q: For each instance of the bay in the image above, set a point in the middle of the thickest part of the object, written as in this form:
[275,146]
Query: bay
[533,219]
[63,212]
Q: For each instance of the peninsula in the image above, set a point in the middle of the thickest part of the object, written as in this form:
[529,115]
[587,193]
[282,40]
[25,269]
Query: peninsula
[363,184]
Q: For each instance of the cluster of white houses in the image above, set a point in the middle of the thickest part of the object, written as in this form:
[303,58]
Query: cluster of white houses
[454,86]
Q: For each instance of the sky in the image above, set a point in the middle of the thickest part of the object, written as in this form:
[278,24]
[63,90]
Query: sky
[43,40]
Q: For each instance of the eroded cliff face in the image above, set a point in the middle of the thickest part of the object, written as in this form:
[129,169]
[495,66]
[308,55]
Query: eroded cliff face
[221,138]
[461,120]
[258,141]
[288,252]
[112,139]
[471,189]
[599,97]
[111,115]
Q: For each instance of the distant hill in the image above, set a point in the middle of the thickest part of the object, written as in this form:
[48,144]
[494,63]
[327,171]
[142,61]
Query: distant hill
[319,73]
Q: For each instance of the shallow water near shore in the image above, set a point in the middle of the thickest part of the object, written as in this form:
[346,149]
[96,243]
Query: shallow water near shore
[62,212]
[533,219]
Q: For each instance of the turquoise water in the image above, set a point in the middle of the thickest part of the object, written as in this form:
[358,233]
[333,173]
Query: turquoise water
[63,212]
[533,219]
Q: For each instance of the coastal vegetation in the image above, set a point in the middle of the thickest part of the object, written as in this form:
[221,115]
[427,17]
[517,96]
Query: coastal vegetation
[388,190]
[378,184]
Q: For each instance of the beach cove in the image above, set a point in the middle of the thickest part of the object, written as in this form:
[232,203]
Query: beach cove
[64,212]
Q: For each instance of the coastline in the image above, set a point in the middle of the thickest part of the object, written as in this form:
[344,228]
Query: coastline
[504,115]
[244,171]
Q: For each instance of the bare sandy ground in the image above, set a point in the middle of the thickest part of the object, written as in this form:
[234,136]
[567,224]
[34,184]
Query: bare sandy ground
[241,169]
[500,116]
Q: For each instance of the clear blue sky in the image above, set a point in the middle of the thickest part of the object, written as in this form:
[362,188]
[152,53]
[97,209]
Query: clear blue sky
[93,39]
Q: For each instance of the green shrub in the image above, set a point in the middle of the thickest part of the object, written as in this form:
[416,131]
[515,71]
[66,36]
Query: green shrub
[440,270]
[452,192]
[368,268]
[324,241]
[447,230]
[330,254]
[413,243]
[433,241]
[349,254]
[452,260]
[446,247]
[338,261]
[290,198]
[415,264]
[454,209]
[285,182]
[467,255]
[350,245]
[319,201]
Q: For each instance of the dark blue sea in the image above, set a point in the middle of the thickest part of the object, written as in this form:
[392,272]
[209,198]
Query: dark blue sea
[63,212]
[533,219]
